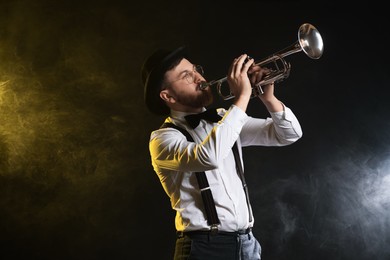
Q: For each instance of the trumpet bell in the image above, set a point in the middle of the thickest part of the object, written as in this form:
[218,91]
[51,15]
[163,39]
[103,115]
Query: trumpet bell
[310,41]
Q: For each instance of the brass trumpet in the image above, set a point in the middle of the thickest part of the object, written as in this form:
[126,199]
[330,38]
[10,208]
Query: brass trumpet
[309,41]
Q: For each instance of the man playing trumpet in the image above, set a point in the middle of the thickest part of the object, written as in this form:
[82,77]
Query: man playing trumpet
[199,160]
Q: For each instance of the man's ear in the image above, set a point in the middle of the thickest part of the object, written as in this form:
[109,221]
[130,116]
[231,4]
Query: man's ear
[167,97]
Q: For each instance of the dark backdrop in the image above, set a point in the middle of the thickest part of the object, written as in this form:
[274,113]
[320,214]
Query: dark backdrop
[75,174]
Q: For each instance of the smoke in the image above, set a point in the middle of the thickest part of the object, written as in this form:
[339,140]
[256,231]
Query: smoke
[68,141]
[339,210]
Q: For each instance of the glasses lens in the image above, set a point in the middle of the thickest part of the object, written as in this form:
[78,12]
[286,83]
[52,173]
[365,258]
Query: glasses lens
[190,76]
[199,69]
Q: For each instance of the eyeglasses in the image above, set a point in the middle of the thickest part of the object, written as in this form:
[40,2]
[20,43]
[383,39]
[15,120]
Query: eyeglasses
[189,76]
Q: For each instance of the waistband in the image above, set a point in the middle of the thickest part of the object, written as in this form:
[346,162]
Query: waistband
[213,232]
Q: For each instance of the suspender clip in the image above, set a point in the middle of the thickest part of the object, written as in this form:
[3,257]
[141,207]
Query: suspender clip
[214,229]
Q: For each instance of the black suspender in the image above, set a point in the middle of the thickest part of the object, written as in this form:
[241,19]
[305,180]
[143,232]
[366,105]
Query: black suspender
[240,170]
[205,191]
[207,196]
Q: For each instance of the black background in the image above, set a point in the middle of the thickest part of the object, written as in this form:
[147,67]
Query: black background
[75,175]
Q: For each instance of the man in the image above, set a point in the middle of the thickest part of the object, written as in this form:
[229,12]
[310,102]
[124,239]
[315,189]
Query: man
[197,163]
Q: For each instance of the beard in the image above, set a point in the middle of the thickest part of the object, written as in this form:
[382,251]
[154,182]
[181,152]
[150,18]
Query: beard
[204,99]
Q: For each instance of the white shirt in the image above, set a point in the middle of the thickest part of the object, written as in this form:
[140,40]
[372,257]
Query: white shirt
[175,160]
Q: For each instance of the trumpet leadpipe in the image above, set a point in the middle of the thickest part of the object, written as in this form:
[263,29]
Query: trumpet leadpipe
[204,84]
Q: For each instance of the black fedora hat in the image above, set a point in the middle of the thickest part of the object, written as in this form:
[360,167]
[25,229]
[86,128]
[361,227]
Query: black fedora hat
[153,70]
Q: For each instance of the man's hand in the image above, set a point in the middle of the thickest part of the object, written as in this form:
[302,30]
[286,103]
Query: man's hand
[256,74]
[238,80]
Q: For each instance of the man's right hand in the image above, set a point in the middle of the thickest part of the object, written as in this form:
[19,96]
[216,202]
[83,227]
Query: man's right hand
[238,80]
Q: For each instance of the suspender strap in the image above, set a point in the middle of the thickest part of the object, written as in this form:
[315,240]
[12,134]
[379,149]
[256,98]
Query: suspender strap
[242,177]
[208,201]
[207,196]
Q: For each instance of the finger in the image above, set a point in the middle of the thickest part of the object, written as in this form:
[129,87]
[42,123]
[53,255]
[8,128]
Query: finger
[258,76]
[254,68]
[267,71]
[248,63]
[253,78]
[239,64]
[239,58]
[232,66]
[234,63]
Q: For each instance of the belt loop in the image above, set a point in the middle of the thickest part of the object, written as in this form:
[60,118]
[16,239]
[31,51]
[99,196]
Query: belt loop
[180,234]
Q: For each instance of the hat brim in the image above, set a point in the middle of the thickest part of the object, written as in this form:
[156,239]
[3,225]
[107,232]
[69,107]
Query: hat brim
[152,84]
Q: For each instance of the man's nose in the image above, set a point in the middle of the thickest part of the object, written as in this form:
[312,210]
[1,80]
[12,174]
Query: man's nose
[198,77]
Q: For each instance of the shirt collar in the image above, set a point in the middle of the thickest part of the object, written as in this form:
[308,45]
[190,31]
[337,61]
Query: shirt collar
[180,115]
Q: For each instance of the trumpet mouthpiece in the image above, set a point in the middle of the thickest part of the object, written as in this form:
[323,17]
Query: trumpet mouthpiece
[203,85]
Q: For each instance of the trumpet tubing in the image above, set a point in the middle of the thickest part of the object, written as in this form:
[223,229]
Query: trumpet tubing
[309,41]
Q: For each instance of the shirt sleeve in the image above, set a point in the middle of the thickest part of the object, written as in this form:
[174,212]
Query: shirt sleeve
[282,128]
[170,149]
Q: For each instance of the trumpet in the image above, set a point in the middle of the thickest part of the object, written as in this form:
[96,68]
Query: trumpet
[309,41]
